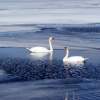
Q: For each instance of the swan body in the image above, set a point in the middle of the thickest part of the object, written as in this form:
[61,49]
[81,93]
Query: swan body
[73,60]
[39,49]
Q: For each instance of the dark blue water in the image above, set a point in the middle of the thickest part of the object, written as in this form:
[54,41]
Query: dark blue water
[28,76]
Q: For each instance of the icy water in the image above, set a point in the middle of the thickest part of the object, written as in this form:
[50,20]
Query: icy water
[30,76]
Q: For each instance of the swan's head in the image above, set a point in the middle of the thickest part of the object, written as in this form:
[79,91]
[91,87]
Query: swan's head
[51,38]
[66,48]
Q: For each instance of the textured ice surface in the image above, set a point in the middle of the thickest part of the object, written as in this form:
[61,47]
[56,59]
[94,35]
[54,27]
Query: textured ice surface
[49,11]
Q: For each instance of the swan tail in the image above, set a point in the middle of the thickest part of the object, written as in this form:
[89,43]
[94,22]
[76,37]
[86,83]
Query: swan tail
[86,58]
[28,48]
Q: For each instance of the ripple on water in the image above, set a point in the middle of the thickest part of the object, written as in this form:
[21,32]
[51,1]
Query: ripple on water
[28,69]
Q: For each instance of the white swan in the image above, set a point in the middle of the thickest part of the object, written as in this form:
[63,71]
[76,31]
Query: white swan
[42,49]
[73,60]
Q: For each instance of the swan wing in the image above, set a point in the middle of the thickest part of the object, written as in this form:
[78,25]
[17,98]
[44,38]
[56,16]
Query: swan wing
[39,49]
[76,59]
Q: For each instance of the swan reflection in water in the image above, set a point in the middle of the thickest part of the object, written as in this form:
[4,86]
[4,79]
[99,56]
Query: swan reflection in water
[71,96]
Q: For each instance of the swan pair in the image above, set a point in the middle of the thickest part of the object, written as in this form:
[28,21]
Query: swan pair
[66,59]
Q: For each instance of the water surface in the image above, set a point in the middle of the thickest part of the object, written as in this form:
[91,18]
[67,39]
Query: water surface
[30,76]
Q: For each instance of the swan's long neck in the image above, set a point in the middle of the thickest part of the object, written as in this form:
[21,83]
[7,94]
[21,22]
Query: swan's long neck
[67,53]
[50,44]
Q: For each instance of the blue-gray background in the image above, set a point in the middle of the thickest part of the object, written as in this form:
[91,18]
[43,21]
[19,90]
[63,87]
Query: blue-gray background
[49,11]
